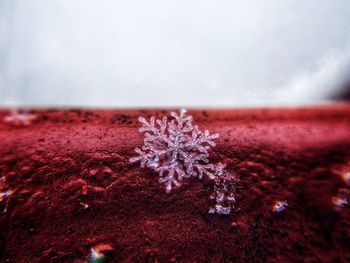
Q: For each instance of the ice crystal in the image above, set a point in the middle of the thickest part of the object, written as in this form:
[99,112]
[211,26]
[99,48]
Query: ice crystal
[4,193]
[342,199]
[280,206]
[97,253]
[224,192]
[19,117]
[176,149]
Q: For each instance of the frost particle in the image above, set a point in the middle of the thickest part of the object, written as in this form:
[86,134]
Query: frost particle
[279,206]
[222,210]
[342,199]
[18,117]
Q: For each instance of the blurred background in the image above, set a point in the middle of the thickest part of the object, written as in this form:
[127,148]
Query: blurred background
[134,53]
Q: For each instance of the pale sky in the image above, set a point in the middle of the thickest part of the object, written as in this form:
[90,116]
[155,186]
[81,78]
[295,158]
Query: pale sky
[139,53]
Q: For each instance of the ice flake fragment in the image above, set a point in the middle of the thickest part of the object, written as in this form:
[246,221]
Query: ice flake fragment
[97,253]
[84,205]
[5,193]
[19,117]
[224,192]
[222,210]
[340,202]
[212,210]
[342,199]
[279,206]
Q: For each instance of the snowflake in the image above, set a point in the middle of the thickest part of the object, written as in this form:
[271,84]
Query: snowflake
[176,149]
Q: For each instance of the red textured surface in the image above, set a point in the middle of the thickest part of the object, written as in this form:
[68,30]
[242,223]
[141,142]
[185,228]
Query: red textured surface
[68,157]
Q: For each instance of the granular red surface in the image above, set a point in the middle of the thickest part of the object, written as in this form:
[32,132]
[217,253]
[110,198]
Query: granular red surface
[74,188]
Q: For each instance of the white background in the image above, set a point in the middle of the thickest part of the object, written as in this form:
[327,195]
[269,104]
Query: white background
[172,53]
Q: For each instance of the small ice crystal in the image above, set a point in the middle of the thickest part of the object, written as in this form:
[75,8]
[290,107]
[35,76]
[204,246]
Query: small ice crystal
[212,210]
[19,117]
[175,149]
[342,199]
[221,210]
[84,205]
[5,194]
[340,202]
[279,206]
[224,190]
[97,253]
